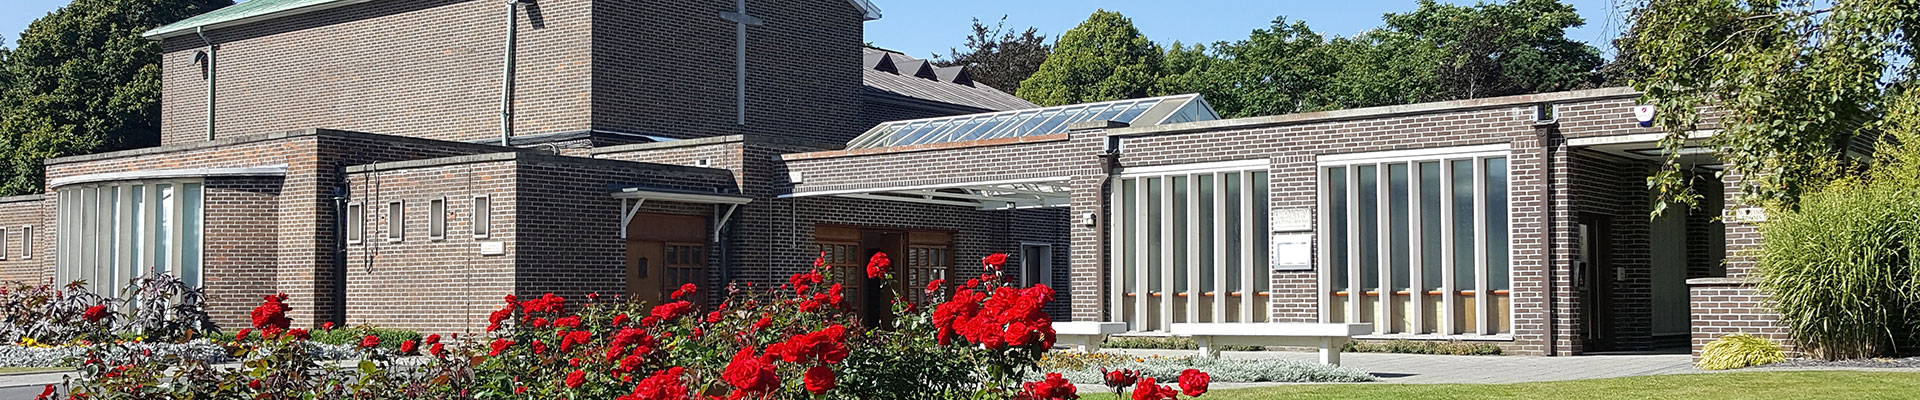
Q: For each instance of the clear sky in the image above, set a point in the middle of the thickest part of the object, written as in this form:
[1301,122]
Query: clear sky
[921,27]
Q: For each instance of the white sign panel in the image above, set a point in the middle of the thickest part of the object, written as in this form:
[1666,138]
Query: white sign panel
[493,248]
[1292,252]
[1292,219]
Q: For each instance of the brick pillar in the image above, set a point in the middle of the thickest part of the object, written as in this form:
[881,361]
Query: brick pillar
[1091,262]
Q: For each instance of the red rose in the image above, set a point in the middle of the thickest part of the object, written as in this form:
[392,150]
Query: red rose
[750,374]
[575,378]
[672,310]
[1147,390]
[370,341]
[994,261]
[1193,382]
[328,326]
[1119,378]
[619,320]
[764,322]
[408,346]
[567,322]
[499,346]
[819,379]
[255,384]
[683,291]
[437,350]
[1054,387]
[243,334]
[272,313]
[302,334]
[936,285]
[877,266]
[95,313]
[431,340]
[663,385]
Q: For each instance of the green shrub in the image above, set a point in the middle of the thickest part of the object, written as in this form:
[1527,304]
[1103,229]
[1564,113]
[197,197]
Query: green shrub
[1166,343]
[1840,270]
[1403,346]
[389,338]
[1739,350]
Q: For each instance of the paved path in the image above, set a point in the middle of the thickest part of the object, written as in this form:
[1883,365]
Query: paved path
[1419,368]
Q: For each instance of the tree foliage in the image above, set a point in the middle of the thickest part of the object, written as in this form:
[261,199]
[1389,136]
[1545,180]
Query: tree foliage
[998,58]
[1104,58]
[1788,84]
[82,80]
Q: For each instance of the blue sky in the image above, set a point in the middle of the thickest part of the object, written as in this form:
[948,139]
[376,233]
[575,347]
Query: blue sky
[921,28]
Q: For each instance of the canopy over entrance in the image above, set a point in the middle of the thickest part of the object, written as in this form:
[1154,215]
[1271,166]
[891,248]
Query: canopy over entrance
[983,195]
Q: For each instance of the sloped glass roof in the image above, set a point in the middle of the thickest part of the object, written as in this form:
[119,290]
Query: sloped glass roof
[1034,122]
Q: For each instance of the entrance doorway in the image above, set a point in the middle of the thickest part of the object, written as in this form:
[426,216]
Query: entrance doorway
[918,256]
[665,251]
[1594,278]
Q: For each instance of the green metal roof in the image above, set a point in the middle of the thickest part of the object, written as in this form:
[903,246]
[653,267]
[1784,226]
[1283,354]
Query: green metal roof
[256,10]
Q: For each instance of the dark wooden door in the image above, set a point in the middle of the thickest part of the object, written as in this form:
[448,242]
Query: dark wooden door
[1593,278]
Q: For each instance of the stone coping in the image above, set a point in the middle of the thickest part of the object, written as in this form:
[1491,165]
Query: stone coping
[244,139]
[22,198]
[1378,112]
[534,157]
[1722,281]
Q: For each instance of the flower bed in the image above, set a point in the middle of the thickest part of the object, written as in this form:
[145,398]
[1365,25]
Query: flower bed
[794,341]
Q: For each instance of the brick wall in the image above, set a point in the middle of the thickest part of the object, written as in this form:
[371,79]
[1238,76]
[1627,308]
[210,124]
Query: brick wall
[1725,306]
[16,214]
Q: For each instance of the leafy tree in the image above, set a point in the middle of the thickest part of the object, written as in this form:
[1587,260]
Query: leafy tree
[1185,70]
[82,80]
[998,58]
[1105,58]
[1271,72]
[1500,49]
[1790,84]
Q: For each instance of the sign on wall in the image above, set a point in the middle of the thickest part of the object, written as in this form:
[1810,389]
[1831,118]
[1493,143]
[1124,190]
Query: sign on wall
[1292,252]
[1292,219]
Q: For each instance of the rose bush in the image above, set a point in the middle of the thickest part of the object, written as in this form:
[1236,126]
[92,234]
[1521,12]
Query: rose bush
[798,340]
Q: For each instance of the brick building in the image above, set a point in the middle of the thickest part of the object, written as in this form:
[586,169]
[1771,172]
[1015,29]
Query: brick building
[406,164]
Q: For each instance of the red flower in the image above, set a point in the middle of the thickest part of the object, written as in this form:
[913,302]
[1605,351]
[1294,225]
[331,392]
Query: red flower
[1119,378]
[685,289]
[302,334]
[764,322]
[408,346]
[255,384]
[619,320]
[715,317]
[750,374]
[567,322]
[1054,387]
[669,311]
[493,320]
[575,378]
[994,261]
[370,341]
[570,339]
[243,334]
[547,303]
[877,266]
[819,379]
[95,313]
[1147,390]
[936,285]
[431,340]
[328,326]
[663,385]
[499,346]
[1193,382]
[272,312]
[45,394]
[437,350]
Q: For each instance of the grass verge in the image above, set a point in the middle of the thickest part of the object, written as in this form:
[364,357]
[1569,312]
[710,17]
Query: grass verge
[1846,385]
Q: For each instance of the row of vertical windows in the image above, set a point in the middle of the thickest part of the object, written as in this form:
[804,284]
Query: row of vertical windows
[110,234]
[436,220]
[1191,246]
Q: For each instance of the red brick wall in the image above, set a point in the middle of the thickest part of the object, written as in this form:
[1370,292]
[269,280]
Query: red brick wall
[424,68]
[441,285]
[1727,306]
[16,213]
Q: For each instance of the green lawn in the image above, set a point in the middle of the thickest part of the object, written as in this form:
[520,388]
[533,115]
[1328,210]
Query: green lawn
[1847,385]
[29,370]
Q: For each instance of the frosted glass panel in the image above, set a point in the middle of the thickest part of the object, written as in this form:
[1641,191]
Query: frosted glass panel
[1496,181]
[1205,236]
[1180,234]
[1154,221]
[1128,232]
[1463,225]
[1369,226]
[1337,227]
[1430,230]
[190,234]
[163,232]
[1397,228]
[1234,218]
[1263,278]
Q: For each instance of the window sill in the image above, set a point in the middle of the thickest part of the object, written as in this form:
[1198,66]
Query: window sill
[1463,338]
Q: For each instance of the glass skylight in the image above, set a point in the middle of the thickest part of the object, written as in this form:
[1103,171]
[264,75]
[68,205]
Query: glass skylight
[1034,122]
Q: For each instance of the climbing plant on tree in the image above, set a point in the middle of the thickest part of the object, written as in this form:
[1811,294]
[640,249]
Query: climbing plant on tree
[1789,84]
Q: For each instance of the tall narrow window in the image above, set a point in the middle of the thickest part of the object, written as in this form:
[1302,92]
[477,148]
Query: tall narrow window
[3,243]
[356,223]
[26,241]
[1425,232]
[437,219]
[396,221]
[482,217]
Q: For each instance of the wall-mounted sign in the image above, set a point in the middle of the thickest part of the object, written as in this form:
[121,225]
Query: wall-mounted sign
[494,248]
[1746,215]
[1292,252]
[1644,114]
[1292,219]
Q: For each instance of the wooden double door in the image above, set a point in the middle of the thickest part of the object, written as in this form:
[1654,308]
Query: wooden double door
[665,251]
[918,256]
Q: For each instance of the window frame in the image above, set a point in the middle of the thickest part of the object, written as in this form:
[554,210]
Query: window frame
[26,242]
[1045,264]
[356,222]
[120,227]
[1444,157]
[3,242]
[396,221]
[437,219]
[482,216]
[1247,201]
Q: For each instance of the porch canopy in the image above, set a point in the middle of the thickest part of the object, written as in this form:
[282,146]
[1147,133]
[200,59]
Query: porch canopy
[632,197]
[1047,191]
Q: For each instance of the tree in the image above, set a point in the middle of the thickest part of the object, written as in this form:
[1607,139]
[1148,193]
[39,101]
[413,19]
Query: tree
[1500,49]
[83,80]
[997,58]
[1105,58]
[1790,84]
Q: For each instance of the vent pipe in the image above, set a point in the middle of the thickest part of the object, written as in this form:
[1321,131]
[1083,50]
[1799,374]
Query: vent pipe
[506,83]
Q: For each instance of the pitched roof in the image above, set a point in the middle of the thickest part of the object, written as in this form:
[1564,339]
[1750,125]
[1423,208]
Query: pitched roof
[893,75]
[256,10]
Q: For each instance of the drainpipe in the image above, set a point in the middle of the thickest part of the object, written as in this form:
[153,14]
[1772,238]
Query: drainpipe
[211,76]
[1546,127]
[506,85]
